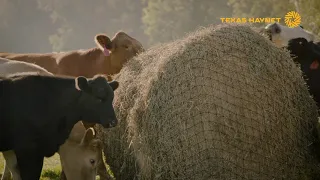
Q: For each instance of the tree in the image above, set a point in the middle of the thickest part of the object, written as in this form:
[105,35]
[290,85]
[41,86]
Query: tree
[81,20]
[261,8]
[309,11]
[23,27]
[167,20]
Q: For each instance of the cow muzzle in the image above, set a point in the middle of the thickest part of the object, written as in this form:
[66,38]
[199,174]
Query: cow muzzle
[111,124]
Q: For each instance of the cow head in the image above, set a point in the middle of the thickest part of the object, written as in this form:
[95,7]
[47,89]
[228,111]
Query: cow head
[281,35]
[304,52]
[298,47]
[95,103]
[80,154]
[120,49]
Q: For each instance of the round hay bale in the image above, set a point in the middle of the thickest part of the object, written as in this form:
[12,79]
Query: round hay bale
[221,103]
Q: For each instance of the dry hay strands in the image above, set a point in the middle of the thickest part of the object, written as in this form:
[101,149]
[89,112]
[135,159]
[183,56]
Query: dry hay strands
[221,103]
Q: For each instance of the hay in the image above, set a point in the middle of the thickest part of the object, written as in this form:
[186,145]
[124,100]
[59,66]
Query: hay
[221,103]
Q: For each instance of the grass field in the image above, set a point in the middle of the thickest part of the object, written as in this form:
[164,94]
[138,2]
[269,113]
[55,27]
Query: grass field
[51,168]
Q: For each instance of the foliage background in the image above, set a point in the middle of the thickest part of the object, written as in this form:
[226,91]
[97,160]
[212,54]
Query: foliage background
[61,25]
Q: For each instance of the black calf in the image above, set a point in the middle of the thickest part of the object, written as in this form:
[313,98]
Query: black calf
[37,114]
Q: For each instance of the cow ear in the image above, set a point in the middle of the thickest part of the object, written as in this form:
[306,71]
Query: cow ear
[114,85]
[261,29]
[82,83]
[104,43]
[88,137]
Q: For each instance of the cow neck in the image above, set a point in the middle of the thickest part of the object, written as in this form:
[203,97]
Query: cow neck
[69,94]
[106,65]
[4,87]
[94,59]
[111,65]
[69,113]
[67,122]
[92,53]
[4,95]
[75,100]
[99,63]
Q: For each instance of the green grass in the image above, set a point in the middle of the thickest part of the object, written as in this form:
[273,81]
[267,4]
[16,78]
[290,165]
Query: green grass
[51,168]
[51,173]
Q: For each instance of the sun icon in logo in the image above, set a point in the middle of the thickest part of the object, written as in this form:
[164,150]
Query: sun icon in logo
[292,19]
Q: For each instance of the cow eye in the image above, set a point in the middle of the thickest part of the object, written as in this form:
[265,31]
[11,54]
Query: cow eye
[92,161]
[99,100]
[102,99]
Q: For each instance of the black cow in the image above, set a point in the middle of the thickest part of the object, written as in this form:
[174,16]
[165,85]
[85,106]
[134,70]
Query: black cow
[307,54]
[38,112]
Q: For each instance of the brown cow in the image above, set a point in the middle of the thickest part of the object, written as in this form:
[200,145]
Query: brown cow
[108,58]
[79,156]
[81,143]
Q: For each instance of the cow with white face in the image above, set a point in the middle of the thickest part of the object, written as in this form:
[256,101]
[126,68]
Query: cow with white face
[280,35]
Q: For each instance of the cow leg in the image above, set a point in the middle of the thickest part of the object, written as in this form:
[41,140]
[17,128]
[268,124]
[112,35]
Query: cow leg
[30,164]
[63,175]
[11,165]
[6,175]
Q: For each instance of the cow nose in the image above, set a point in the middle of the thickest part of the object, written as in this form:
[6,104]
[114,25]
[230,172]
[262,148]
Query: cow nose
[112,123]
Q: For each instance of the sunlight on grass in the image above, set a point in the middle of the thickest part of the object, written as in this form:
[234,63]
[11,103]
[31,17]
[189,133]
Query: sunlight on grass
[51,174]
